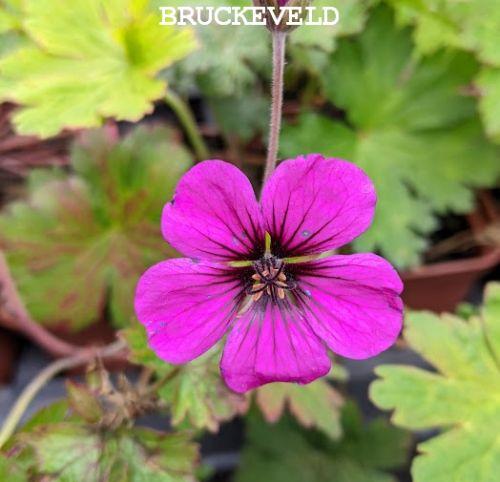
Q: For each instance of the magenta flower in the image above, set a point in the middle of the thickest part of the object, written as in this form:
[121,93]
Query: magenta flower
[253,272]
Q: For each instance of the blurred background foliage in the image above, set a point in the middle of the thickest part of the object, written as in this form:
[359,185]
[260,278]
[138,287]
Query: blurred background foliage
[407,89]
[95,227]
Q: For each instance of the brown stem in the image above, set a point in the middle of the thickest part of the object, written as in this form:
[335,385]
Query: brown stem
[14,316]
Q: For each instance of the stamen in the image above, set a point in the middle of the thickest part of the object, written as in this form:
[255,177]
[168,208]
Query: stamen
[257,296]
[270,279]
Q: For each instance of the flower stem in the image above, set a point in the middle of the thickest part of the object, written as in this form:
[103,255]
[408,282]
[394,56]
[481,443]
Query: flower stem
[32,389]
[186,118]
[279,48]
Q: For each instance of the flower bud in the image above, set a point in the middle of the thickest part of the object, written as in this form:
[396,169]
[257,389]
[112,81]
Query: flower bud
[281,20]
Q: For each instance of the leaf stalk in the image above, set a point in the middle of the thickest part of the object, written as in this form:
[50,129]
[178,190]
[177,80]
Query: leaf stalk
[188,122]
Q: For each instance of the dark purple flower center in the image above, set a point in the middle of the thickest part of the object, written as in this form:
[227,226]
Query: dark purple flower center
[269,279]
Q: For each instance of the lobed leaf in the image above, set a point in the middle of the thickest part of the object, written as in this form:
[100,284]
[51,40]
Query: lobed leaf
[284,452]
[472,26]
[409,127]
[230,58]
[488,83]
[96,229]
[309,44]
[96,60]
[443,23]
[70,452]
[462,399]
[316,405]
[10,471]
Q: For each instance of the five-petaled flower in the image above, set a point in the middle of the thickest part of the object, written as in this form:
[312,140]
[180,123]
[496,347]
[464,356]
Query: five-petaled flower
[266,274]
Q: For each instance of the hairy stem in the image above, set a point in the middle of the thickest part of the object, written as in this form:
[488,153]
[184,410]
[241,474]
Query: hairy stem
[32,389]
[279,48]
[186,118]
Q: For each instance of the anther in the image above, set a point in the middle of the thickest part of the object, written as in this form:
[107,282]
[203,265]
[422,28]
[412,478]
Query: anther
[269,279]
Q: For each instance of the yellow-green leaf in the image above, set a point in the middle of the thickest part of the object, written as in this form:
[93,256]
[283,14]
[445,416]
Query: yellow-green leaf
[316,405]
[95,60]
[462,398]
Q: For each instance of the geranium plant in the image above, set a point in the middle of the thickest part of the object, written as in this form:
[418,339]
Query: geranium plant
[245,294]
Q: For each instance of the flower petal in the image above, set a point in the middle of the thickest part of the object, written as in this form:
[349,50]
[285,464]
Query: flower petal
[272,343]
[214,214]
[186,307]
[353,303]
[312,204]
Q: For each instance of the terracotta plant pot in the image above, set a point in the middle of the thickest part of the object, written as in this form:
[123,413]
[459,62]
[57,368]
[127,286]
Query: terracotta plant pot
[442,286]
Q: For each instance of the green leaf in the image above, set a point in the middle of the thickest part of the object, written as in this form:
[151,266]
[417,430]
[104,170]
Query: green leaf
[284,452]
[409,127]
[11,35]
[316,405]
[199,398]
[352,14]
[243,116]
[23,459]
[10,471]
[310,46]
[70,452]
[54,413]
[225,66]
[196,395]
[471,26]
[81,241]
[10,15]
[463,398]
[488,82]
[229,60]
[96,60]
[139,351]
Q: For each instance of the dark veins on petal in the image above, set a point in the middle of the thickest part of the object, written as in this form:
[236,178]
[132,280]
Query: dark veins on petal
[290,287]
[299,239]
